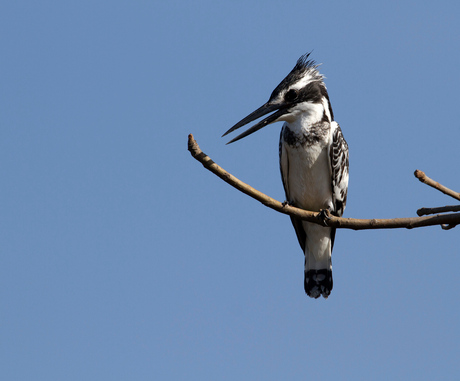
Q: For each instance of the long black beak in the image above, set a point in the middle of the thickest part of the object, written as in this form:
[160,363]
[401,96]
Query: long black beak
[261,111]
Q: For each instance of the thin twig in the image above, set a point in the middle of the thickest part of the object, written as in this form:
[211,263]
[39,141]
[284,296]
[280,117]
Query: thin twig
[441,209]
[316,217]
[426,180]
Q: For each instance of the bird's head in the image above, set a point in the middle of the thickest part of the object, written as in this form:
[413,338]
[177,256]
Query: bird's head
[302,92]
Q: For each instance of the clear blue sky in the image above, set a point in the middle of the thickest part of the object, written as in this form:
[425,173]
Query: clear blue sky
[121,258]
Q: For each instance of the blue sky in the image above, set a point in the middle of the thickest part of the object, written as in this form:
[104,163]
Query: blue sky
[122,258]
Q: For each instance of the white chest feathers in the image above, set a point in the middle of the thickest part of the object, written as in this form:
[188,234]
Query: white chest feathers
[305,166]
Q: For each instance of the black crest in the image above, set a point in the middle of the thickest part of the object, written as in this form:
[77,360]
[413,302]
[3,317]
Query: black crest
[303,63]
[303,66]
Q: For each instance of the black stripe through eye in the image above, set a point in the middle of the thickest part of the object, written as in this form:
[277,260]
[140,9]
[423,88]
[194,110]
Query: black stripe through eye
[291,95]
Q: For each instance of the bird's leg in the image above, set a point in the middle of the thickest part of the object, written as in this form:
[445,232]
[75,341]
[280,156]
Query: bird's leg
[324,216]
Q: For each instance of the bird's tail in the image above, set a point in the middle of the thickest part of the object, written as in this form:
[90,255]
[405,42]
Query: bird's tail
[318,282]
[318,263]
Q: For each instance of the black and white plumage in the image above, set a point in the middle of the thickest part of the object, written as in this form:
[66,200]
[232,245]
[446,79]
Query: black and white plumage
[313,162]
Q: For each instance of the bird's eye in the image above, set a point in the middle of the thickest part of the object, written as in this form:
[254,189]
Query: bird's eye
[291,95]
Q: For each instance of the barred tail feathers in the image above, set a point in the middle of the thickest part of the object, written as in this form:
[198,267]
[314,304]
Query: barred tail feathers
[318,263]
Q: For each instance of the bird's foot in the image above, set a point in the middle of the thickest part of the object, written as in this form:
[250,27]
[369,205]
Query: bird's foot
[324,216]
[285,202]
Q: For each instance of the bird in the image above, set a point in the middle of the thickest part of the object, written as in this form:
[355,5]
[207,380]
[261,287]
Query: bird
[314,163]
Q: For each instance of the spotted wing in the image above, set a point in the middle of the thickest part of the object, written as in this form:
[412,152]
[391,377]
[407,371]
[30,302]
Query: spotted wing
[339,170]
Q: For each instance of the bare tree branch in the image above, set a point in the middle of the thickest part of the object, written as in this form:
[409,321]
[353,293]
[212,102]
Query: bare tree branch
[323,218]
[441,209]
[448,227]
[426,180]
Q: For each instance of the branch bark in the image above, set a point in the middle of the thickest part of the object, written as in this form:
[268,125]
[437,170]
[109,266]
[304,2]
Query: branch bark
[426,180]
[441,209]
[323,218]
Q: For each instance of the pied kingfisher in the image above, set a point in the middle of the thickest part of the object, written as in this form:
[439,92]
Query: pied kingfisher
[313,162]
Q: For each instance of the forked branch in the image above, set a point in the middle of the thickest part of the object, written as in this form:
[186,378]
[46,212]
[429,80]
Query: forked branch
[324,218]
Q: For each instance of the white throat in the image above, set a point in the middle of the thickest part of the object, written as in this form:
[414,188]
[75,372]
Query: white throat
[304,115]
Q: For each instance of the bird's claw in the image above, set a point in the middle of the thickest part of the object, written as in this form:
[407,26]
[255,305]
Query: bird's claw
[324,216]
